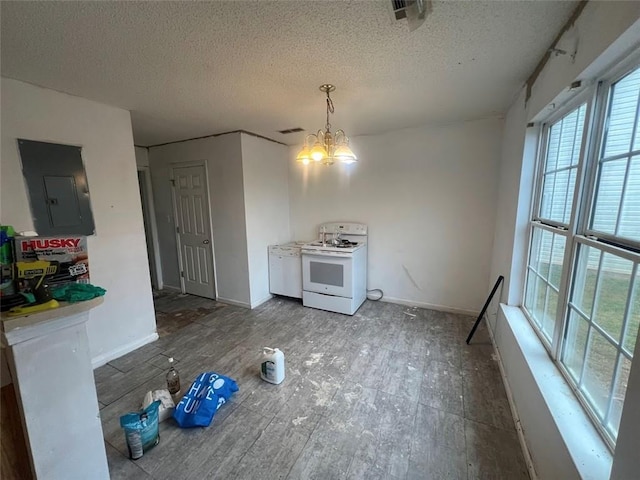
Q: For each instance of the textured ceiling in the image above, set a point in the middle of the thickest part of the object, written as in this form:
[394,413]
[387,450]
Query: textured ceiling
[189,69]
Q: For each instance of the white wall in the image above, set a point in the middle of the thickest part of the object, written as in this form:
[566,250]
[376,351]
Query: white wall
[266,199]
[515,178]
[428,196]
[598,34]
[117,254]
[223,157]
[142,156]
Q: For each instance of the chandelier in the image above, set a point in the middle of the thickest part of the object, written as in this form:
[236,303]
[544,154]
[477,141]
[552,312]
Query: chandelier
[325,147]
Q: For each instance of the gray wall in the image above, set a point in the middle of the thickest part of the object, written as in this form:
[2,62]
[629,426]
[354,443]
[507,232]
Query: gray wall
[266,198]
[249,204]
[142,157]
[223,157]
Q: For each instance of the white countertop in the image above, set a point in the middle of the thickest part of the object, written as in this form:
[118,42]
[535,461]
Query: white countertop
[22,327]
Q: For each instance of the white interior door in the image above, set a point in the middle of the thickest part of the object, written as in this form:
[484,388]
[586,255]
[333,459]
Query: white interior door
[194,230]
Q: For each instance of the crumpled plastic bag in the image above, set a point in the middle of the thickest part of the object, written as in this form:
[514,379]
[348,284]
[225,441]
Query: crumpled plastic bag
[77,292]
[166,407]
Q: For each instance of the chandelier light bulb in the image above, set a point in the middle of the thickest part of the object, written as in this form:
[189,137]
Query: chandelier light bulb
[318,152]
[344,154]
[304,156]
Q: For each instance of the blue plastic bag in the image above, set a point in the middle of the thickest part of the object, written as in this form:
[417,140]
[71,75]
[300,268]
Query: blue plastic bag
[141,430]
[207,394]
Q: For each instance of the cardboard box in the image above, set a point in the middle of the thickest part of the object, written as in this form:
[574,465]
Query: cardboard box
[69,253]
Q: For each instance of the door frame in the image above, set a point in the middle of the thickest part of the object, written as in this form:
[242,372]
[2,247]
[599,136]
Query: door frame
[172,167]
[149,213]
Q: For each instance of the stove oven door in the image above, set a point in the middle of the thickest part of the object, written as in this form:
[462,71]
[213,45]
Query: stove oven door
[328,274]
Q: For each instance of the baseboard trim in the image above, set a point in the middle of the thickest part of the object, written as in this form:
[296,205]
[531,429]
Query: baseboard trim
[234,302]
[171,287]
[260,302]
[105,358]
[512,404]
[431,306]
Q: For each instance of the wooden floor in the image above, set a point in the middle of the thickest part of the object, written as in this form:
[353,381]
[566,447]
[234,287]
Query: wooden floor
[390,393]
[14,461]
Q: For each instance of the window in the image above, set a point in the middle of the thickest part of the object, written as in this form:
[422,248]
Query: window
[582,292]
[558,170]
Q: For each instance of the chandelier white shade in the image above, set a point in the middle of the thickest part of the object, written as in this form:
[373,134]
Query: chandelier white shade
[326,147]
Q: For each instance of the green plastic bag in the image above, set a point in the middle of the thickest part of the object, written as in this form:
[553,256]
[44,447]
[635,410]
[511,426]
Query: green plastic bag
[77,292]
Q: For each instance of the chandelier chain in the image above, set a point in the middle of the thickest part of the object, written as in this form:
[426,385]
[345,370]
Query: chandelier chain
[330,109]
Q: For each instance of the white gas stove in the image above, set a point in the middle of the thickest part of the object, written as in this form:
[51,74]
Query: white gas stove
[334,268]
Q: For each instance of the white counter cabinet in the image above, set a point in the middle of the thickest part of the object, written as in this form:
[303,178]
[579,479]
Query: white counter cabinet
[52,374]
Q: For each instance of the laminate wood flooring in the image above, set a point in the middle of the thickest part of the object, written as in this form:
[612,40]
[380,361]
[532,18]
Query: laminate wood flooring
[392,392]
[14,460]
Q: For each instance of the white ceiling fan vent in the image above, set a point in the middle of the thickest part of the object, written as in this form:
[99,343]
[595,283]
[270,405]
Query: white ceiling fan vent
[415,11]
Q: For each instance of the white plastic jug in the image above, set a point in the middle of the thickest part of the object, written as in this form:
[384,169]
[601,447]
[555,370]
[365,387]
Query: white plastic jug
[272,366]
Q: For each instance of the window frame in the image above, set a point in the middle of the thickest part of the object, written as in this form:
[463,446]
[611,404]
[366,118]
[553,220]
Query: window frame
[549,228]
[586,96]
[603,101]
[597,97]
[575,387]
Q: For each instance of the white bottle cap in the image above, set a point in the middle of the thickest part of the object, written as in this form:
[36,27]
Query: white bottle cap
[170,359]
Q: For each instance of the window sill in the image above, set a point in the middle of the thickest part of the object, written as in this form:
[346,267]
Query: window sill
[590,455]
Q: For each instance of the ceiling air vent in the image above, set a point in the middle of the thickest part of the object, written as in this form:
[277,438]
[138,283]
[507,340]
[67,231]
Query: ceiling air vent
[415,11]
[291,130]
[399,8]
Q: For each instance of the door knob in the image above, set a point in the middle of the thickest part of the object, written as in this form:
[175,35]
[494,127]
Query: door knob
[206,242]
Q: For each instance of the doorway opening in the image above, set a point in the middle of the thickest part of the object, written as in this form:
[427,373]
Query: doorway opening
[150,228]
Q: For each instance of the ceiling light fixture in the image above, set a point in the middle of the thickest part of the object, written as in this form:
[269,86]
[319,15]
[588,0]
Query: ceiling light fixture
[326,147]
